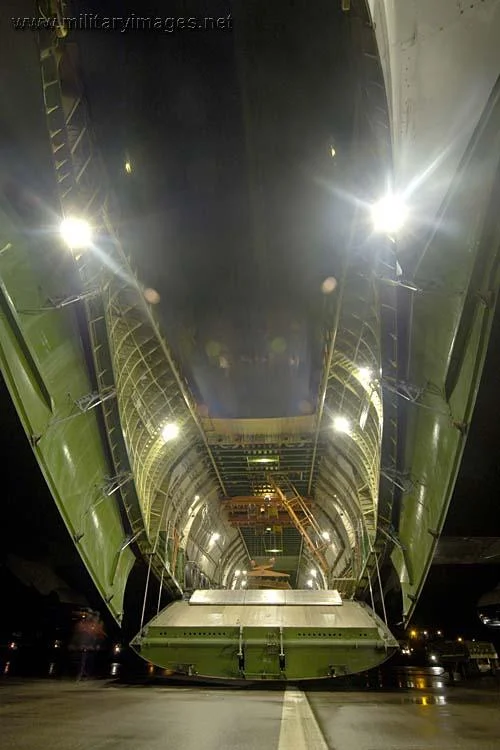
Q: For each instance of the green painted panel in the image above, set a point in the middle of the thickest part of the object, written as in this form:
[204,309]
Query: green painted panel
[43,363]
[451,323]
[308,653]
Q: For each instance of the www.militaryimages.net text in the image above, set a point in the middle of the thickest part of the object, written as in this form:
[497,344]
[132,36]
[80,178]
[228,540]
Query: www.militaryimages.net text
[124,24]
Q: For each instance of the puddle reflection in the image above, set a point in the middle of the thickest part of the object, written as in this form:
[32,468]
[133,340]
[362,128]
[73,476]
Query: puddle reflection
[425,700]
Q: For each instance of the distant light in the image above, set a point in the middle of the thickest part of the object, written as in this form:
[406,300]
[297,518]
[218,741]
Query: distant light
[117,648]
[196,498]
[325,535]
[332,151]
[341,424]
[425,632]
[433,657]
[413,634]
[268,528]
[152,296]
[310,583]
[170,431]
[128,167]
[13,646]
[76,233]
[275,550]
[460,640]
[389,214]
[314,573]
[439,632]
[329,285]
[237,573]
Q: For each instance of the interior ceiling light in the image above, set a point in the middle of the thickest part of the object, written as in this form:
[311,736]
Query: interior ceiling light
[325,535]
[332,151]
[314,573]
[215,536]
[275,550]
[237,573]
[389,214]
[128,167]
[196,498]
[310,583]
[76,233]
[365,374]
[263,459]
[341,424]
[170,431]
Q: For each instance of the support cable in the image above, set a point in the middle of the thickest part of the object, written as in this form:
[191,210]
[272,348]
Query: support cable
[151,556]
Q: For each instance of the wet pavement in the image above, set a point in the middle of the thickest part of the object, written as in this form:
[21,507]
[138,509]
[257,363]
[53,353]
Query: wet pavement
[458,718]
[69,715]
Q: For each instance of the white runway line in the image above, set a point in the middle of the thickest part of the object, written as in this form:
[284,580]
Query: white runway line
[299,728]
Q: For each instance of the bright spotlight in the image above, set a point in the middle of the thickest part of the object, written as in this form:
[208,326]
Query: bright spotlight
[341,424]
[389,214]
[170,432]
[76,233]
[365,374]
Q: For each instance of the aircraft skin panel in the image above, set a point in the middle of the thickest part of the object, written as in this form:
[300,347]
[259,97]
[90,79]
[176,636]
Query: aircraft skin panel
[441,63]
[42,361]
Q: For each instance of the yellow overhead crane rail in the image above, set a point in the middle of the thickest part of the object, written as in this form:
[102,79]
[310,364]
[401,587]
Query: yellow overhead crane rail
[302,518]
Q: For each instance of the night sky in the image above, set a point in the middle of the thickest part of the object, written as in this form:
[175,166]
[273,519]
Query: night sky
[226,214]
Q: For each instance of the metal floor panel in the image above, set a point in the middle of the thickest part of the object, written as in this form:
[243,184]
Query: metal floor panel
[182,615]
[266,597]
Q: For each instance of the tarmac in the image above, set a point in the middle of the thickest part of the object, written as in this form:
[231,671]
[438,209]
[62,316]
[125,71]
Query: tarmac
[109,715]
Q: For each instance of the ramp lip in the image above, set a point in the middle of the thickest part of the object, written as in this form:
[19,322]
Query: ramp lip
[259,598]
